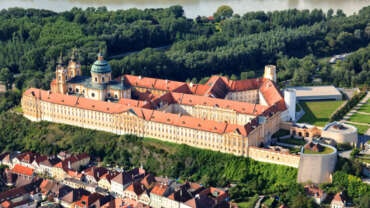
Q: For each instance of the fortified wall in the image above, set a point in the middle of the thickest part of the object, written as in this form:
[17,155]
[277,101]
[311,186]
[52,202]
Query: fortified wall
[317,168]
[272,156]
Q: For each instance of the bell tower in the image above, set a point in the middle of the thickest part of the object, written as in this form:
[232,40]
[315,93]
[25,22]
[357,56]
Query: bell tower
[61,76]
[74,67]
[270,72]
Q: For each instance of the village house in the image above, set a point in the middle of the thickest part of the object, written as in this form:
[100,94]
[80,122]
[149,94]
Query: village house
[120,183]
[91,200]
[23,173]
[93,174]
[53,190]
[182,194]
[70,166]
[157,194]
[316,193]
[339,201]
[47,165]
[138,192]
[28,159]
[72,197]
[106,180]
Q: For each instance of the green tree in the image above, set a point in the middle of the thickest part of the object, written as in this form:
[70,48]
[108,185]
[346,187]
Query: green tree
[365,201]
[223,12]
[355,152]
[7,78]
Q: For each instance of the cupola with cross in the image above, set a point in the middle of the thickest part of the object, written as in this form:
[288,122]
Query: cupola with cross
[101,71]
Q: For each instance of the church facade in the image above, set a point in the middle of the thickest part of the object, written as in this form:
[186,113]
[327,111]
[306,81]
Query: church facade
[99,86]
[220,115]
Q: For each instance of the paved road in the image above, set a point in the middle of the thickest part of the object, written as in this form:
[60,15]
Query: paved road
[258,204]
[345,154]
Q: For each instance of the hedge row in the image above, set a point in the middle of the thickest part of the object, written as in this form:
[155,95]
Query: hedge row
[348,106]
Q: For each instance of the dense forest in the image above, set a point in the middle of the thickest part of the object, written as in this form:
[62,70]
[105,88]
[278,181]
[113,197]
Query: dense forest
[234,45]
[177,161]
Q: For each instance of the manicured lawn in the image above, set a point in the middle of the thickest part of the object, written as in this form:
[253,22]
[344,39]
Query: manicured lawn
[327,150]
[318,113]
[360,128]
[362,118]
[293,141]
[365,108]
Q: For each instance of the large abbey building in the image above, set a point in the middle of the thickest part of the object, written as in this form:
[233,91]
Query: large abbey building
[221,115]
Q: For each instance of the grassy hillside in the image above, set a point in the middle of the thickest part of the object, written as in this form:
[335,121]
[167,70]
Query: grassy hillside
[162,158]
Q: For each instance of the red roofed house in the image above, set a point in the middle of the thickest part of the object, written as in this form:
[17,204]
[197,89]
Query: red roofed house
[87,201]
[137,191]
[157,194]
[27,159]
[23,171]
[46,166]
[69,166]
[316,193]
[339,201]
[93,174]
[182,194]
[105,180]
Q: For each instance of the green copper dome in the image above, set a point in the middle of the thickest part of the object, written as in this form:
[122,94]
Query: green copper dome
[101,66]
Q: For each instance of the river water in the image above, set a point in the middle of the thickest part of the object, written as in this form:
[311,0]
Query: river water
[192,7]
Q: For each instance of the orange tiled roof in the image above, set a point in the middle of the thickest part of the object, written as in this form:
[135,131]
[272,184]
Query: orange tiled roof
[74,101]
[339,197]
[152,83]
[22,170]
[136,187]
[88,200]
[152,115]
[313,191]
[6,204]
[159,189]
[240,107]
[272,95]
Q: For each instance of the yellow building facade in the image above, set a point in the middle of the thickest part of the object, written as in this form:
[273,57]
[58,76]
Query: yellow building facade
[221,115]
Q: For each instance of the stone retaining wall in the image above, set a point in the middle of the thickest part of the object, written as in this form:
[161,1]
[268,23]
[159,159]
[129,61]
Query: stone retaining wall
[271,156]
